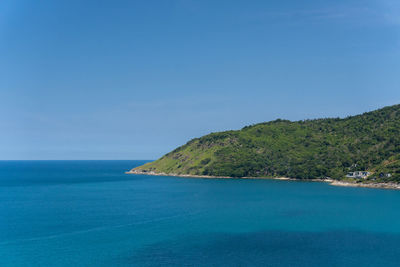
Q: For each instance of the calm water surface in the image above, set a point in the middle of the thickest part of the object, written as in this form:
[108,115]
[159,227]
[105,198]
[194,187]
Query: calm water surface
[89,213]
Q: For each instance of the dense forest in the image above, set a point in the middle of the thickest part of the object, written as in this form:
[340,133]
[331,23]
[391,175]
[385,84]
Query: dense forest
[305,149]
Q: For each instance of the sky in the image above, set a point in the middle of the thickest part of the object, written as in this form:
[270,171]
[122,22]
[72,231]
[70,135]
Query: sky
[135,79]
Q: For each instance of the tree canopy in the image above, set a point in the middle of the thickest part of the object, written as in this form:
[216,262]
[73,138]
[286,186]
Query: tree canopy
[304,149]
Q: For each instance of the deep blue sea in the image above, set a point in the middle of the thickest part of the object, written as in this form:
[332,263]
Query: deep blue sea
[89,213]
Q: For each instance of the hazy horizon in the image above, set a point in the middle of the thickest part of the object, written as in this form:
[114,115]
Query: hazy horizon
[138,159]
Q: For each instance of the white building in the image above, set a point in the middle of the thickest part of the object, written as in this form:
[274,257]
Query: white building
[358,174]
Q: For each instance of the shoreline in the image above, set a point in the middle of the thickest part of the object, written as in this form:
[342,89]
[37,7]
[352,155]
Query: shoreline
[330,181]
[393,186]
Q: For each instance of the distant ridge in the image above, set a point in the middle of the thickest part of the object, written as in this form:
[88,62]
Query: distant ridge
[309,149]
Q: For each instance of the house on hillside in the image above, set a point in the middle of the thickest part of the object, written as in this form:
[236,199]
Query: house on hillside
[358,174]
[385,175]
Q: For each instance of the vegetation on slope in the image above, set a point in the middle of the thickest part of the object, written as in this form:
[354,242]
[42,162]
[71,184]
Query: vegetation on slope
[303,149]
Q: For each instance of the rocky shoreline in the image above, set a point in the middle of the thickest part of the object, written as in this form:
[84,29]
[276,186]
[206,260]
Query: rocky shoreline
[330,181]
[368,185]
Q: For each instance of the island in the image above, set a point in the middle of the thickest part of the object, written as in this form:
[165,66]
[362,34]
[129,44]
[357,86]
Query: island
[362,150]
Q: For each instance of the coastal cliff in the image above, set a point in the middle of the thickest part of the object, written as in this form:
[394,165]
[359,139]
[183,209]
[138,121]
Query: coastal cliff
[308,149]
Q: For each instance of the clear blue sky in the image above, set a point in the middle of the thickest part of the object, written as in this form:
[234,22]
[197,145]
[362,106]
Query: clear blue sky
[134,79]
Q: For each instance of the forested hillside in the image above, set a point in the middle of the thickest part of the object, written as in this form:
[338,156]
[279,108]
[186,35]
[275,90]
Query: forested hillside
[302,149]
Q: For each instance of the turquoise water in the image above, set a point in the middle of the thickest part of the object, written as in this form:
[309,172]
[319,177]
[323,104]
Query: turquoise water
[89,213]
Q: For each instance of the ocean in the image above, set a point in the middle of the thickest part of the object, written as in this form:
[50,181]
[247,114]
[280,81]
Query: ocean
[90,213]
